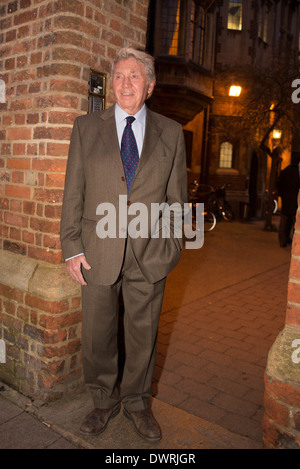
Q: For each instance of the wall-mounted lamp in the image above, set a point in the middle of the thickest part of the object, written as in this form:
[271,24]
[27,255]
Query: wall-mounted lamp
[276,134]
[235,90]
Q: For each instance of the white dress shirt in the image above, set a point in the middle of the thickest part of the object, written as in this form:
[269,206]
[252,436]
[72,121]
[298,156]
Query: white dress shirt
[138,126]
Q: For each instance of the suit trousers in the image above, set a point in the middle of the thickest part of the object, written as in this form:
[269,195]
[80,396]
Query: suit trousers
[100,319]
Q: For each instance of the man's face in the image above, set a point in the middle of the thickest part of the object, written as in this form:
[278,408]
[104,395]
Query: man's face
[130,85]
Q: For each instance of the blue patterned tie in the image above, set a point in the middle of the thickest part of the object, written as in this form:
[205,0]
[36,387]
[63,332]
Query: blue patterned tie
[129,152]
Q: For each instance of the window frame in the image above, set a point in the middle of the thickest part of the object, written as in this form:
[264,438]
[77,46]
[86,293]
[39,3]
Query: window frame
[197,33]
[226,167]
[231,21]
[177,38]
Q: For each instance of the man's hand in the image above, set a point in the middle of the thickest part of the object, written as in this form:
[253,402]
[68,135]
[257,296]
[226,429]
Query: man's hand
[74,268]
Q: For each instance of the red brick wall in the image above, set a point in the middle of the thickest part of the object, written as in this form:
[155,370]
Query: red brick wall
[281,423]
[47,48]
[293,307]
[43,339]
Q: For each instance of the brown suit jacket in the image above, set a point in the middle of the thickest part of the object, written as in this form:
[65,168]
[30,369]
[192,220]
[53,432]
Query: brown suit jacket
[95,175]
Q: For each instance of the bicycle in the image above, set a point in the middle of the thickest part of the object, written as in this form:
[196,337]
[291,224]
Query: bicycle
[201,194]
[216,207]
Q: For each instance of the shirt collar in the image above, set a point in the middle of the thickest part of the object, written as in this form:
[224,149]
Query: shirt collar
[140,116]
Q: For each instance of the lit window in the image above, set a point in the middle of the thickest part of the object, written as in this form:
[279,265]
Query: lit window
[170,26]
[235,15]
[225,155]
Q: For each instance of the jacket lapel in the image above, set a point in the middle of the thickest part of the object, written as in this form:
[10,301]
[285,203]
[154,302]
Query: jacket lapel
[152,134]
[108,135]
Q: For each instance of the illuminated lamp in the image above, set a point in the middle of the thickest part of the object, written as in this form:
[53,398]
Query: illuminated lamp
[277,134]
[235,90]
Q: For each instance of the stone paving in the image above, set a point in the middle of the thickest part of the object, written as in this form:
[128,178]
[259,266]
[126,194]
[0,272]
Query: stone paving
[20,430]
[212,352]
[225,304]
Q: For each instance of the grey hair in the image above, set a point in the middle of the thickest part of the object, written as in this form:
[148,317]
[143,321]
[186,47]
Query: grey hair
[146,59]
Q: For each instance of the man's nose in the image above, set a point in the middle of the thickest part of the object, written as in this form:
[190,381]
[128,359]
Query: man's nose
[126,81]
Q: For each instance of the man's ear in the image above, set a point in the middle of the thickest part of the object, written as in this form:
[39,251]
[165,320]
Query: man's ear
[150,89]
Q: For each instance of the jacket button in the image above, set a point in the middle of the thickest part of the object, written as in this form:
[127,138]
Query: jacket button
[128,202]
[123,179]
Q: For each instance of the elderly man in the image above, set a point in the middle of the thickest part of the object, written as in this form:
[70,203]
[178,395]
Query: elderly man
[121,156]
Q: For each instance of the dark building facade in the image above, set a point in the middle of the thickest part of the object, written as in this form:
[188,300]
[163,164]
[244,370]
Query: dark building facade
[181,36]
[256,41]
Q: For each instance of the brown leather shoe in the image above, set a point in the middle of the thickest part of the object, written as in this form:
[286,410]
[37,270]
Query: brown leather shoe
[96,422]
[145,424]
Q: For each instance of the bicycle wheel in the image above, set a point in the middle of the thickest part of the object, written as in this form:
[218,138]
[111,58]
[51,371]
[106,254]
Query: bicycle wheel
[210,221]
